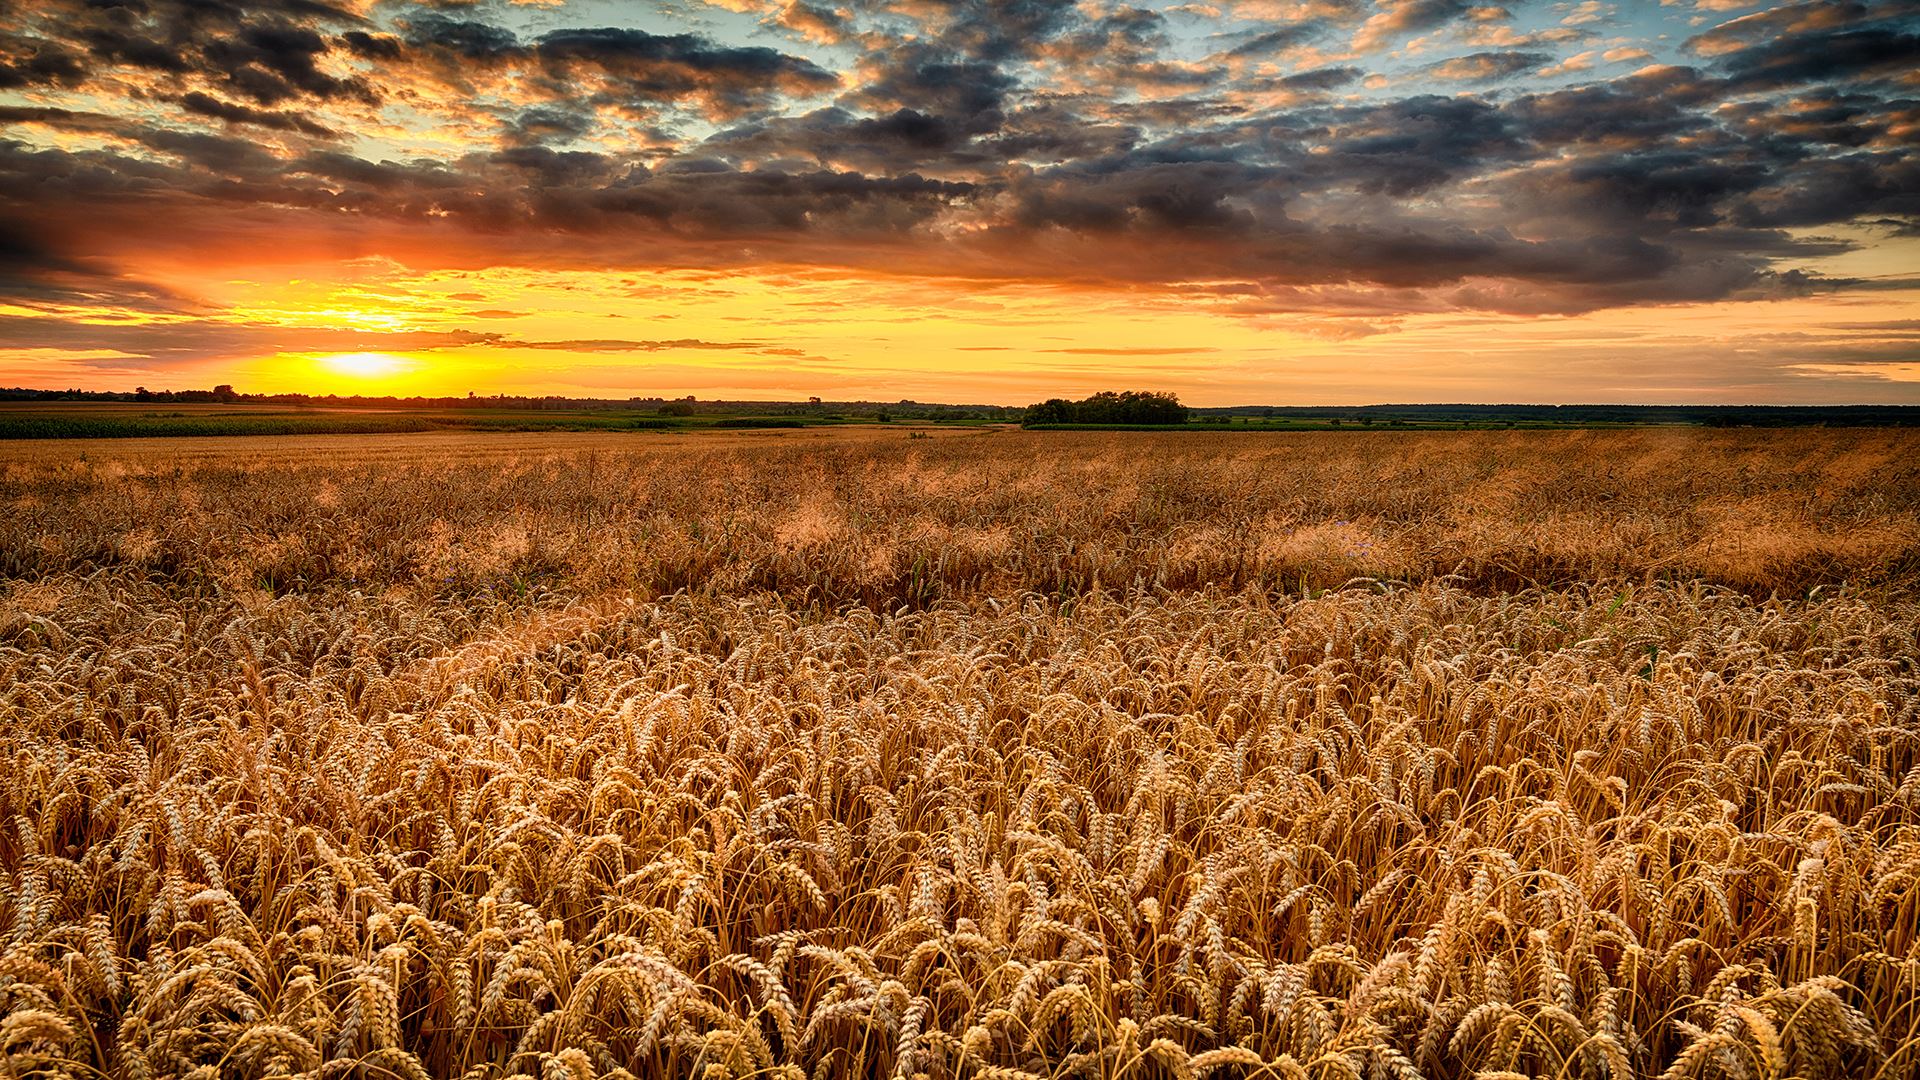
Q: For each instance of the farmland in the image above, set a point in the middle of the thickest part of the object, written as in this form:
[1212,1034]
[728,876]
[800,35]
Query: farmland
[997,753]
[94,420]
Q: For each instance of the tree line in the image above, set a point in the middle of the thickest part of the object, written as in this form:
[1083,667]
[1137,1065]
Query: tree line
[1109,407]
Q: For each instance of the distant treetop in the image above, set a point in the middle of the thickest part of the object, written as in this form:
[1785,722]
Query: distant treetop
[1108,407]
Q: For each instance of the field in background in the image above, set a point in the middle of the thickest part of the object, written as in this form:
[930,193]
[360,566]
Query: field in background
[25,415]
[995,754]
[873,516]
[105,420]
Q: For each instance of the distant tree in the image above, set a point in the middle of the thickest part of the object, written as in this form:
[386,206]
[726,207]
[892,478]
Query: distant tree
[1108,407]
[676,408]
[224,392]
[1050,411]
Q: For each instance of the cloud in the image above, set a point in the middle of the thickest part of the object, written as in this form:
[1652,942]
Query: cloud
[193,341]
[1400,18]
[1572,65]
[1819,41]
[1096,146]
[31,62]
[33,274]
[1142,350]
[1824,56]
[1264,42]
[618,345]
[1586,12]
[202,104]
[1487,66]
[817,23]
[269,54]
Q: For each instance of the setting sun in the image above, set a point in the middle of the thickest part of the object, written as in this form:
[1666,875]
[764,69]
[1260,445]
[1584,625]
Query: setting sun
[365,365]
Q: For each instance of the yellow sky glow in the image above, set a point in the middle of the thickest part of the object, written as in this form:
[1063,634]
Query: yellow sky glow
[1259,202]
[366,365]
[791,333]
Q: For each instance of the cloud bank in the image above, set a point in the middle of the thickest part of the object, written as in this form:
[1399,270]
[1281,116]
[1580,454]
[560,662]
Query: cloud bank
[1340,159]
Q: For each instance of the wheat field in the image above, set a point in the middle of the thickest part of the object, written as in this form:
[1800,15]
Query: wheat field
[998,755]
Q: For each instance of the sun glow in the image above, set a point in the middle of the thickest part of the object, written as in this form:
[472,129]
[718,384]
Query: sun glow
[365,365]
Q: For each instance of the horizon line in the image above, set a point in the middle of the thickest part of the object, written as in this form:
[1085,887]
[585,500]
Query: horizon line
[80,395]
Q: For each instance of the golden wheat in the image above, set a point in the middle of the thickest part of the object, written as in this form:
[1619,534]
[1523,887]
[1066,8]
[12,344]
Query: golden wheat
[391,767]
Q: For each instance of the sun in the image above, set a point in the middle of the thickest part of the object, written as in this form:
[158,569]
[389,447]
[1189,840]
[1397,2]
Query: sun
[365,365]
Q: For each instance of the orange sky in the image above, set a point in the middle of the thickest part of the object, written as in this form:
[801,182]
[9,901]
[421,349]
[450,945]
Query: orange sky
[799,333]
[968,202]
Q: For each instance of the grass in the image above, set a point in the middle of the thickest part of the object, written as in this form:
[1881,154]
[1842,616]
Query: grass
[95,420]
[1331,424]
[73,424]
[844,515]
[1001,754]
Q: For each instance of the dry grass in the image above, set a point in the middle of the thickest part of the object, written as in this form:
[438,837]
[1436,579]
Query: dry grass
[856,517]
[1003,756]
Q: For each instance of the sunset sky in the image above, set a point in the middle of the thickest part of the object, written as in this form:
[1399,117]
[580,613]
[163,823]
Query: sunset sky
[1242,201]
